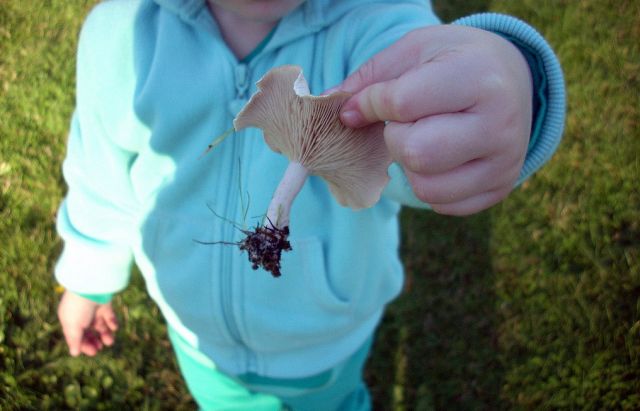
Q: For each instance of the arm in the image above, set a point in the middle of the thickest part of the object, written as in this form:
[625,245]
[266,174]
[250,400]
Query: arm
[96,218]
[459,104]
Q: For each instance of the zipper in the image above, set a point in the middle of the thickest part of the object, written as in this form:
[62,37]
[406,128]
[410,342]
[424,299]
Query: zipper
[242,77]
[242,84]
[242,87]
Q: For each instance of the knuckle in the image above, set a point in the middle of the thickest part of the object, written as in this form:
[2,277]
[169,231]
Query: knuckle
[413,36]
[427,195]
[512,175]
[414,40]
[422,194]
[492,84]
[489,78]
[411,157]
[369,103]
[431,161]
[423,190]
[395,102]
[447,209]
[365,75]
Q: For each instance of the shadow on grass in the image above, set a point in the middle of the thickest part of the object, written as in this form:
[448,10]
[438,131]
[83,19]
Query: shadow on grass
[436,348]
[449,10]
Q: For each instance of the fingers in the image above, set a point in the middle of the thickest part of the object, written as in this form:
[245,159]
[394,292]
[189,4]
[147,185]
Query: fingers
[439,143]
[462,183]
[453,161]
[473,204]
[105,324]
[91,343]
[112,321]
[81,341]
[436,70]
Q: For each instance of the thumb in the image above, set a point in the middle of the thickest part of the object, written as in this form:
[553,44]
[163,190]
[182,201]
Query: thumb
[372,80]
[76,314]
[73,334]
[388,64]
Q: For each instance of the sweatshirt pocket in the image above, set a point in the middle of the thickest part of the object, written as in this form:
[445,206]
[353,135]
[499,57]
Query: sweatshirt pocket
[298,309]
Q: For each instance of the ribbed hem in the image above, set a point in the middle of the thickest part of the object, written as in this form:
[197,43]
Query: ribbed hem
[552,125]
[290,363]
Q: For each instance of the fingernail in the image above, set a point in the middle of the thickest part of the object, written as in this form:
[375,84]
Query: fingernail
[352,118]
[74,352]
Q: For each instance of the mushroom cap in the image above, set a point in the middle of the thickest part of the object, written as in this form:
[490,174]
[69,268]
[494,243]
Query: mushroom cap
[307,129]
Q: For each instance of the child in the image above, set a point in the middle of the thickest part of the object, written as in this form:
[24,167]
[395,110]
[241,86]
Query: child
[470,112]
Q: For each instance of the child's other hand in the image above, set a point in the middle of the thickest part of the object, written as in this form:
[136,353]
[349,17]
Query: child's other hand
[87,325]
[458,105]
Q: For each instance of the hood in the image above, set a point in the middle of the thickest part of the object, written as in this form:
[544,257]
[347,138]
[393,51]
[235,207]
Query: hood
[309,17]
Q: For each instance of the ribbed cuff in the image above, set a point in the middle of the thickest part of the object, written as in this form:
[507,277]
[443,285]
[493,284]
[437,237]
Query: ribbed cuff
[97,298]
[549,122]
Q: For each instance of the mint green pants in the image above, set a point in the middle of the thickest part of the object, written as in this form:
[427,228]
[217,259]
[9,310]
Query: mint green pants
[340,388]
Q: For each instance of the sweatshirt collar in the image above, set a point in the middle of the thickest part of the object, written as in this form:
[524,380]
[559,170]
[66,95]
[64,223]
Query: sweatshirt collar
[188,10]
[311,16]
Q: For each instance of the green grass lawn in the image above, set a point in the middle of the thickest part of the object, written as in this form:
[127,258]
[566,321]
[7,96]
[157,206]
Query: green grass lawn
[534,304]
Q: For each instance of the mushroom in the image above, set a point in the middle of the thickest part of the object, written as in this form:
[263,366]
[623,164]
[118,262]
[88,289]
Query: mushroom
[308,131]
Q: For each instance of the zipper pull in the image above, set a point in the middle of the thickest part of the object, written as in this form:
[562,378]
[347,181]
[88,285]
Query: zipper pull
[242,80]
[242,89]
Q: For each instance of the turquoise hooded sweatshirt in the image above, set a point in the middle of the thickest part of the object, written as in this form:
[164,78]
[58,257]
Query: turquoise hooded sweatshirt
[155,84]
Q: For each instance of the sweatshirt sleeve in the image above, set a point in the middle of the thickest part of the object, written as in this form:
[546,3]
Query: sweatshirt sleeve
[96,219]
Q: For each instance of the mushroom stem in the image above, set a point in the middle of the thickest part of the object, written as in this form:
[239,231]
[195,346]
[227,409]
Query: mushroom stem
[294,177]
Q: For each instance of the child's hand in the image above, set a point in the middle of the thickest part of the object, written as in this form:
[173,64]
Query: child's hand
[87,325]
[458,105]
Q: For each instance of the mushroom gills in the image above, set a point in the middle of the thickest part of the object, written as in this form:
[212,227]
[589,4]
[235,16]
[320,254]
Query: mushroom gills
[308,131]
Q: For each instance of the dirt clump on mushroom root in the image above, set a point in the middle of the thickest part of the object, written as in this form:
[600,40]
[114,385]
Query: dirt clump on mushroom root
[264,247]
